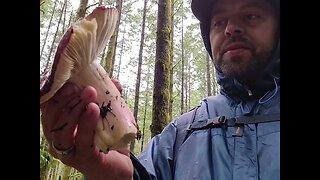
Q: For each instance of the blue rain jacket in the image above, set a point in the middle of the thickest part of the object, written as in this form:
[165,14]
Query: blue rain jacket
[214,153]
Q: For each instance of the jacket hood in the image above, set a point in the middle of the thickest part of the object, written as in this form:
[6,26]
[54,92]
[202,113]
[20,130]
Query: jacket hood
[230,86]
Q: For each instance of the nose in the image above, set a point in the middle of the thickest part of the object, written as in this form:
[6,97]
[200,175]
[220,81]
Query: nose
[233,28]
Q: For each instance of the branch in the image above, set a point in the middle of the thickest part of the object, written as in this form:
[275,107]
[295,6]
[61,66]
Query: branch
[91,6]
[176,64]
[41,3]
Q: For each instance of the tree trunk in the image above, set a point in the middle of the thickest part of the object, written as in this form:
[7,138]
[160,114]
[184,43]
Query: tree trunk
[64,16]
[160,107]
[55,34]
[145,111]
[70,18]
[49,26]
[137,91]
[214,82]
[82,9]
[182,71]
[120,55]
[171,63]
[208,75]
[188,86]
[112,45]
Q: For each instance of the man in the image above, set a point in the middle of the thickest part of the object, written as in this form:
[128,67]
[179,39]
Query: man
[234,135]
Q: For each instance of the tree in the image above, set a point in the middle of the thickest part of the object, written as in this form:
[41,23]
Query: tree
[171,62]
[160,109]
[112,45]
[208,74]
[81,12]
[182,71]
[56,33]
[49,26]
[137,91]
[145,111]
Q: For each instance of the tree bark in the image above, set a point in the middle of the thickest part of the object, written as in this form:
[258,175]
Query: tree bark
[208,75]
[145,111]
[70,18]
[137,91]
[214,82]
[160,107]
[171,63]
[182,71]
[49,26]
[112,45]
[64,16]
[55,34]
[82,9]
[188,88]
[120,55]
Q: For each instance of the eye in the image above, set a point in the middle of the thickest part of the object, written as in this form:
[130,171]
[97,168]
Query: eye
[251,17]
[218,23]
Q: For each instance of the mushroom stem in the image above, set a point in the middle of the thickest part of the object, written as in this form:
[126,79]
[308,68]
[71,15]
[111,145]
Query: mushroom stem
[117,127]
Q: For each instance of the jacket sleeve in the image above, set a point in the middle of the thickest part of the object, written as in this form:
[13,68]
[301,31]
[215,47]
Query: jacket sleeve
[157,158]
[139,172]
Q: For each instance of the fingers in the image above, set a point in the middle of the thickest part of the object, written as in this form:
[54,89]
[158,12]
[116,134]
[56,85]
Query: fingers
[70,122]
[86,130]
[60,117]
[51,110]
[64,136]
[86,114]
[88,121]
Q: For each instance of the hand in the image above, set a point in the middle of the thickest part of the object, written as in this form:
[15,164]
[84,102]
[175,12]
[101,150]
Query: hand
[69,120]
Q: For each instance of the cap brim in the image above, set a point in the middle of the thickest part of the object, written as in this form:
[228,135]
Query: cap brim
[202,9]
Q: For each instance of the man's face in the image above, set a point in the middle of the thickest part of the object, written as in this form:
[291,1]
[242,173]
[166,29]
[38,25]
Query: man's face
[242,35]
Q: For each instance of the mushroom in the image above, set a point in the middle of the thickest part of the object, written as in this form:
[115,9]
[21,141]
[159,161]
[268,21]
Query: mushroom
[76,61]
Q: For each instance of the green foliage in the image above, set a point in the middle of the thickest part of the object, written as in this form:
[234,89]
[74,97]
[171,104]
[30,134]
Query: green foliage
[45,159]
[45,9]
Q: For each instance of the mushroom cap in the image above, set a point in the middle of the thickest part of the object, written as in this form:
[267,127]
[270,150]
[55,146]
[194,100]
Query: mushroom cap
[79,46]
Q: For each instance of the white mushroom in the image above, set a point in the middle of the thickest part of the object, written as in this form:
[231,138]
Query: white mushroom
[76,61]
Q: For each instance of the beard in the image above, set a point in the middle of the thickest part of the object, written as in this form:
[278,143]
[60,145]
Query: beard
[246,71]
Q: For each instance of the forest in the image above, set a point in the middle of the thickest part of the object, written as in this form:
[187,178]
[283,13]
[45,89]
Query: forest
[156,52]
